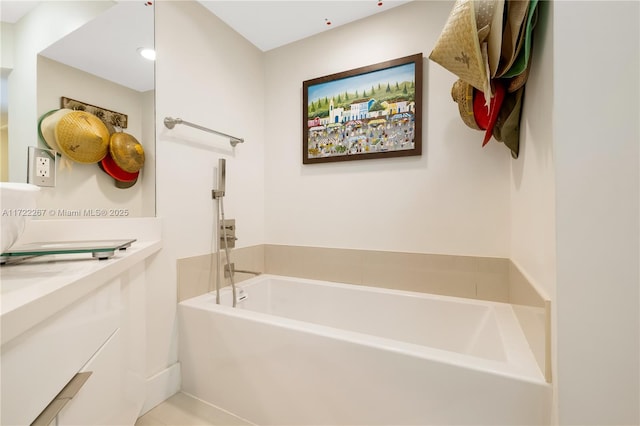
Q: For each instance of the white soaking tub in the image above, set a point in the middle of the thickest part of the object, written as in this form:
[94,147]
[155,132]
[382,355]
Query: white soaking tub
[306,352]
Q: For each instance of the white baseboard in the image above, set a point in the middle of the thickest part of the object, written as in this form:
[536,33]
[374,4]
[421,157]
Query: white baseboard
[161,386]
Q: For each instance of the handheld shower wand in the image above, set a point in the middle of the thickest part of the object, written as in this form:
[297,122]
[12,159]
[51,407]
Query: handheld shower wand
[218,194]
[222,179]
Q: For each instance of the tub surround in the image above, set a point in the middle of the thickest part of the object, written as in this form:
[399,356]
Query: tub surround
[472,277]
[483,278]
[532,306]
[197,274]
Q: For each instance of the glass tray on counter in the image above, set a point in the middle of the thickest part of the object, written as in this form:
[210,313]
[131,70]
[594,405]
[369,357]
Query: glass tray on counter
[99,249]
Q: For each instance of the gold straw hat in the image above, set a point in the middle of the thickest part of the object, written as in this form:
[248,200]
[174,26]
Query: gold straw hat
[458,48]
[82,137]
[127,152]
[462,93]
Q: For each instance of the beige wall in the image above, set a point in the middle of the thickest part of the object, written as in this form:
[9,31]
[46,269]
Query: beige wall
[566,212]
[209,75]
[533,193]
[597,162]
[6,64]
[4,152]
[454,199]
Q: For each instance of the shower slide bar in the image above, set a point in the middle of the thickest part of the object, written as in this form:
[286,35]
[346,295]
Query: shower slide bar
[170,123]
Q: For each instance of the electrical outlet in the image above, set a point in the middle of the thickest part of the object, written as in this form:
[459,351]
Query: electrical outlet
[41,168]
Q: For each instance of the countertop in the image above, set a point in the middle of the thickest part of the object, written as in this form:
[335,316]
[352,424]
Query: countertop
[35,289]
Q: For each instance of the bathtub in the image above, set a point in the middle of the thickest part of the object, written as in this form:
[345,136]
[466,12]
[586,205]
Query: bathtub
[305,352]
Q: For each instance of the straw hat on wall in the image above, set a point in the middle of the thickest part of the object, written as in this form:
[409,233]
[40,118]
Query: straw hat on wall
[473,109]
[462,94]
[513,34]
[470,43]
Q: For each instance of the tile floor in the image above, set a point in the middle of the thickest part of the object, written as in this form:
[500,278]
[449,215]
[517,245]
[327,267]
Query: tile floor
[184,410]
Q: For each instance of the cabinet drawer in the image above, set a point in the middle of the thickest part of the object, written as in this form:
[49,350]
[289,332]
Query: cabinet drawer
[103,398]
[36,365]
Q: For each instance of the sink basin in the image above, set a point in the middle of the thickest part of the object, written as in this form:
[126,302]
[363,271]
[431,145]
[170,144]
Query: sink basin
[18,203]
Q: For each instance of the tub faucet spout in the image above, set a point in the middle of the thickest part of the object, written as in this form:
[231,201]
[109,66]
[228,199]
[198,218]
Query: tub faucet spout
[244,271]
[231,269]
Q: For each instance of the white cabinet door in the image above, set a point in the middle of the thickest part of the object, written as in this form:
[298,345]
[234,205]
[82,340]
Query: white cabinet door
[36,365]
[114,393]
[103,333]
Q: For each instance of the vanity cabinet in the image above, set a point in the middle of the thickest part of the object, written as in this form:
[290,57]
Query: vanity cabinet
[102,333]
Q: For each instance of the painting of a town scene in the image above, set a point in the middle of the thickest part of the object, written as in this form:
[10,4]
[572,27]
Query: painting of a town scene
[369,112]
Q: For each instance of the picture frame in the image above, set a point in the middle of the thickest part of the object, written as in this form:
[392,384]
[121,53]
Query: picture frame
[369,112]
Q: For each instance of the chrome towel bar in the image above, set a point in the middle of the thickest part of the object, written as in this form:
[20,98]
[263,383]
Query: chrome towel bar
[170,123]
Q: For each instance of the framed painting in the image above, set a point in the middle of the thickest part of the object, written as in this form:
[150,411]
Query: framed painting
[369,112]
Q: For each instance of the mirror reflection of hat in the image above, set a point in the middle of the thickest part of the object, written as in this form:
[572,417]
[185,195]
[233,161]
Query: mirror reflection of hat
[126,151]
[121,178]
[47,127]
[124,159]
[82,137]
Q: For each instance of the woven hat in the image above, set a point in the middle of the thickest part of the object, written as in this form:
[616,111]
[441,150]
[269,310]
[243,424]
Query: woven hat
[495,37]
[121,178]
[82,137]
[47,125]
[126,151]
[458,48]
[123,185]
[462,94]
[486,117]
[521,61]
[507,128]
[494,42]
[513,33]
[519,80]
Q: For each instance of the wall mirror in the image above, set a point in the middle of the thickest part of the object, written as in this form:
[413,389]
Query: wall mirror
[88,51]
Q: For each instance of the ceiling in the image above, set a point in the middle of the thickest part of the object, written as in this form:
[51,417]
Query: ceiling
[271,24]
[12,11]
[266,24]
[97,49]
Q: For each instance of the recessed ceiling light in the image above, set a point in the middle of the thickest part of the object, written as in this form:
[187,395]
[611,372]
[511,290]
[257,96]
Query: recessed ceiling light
[147,53]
